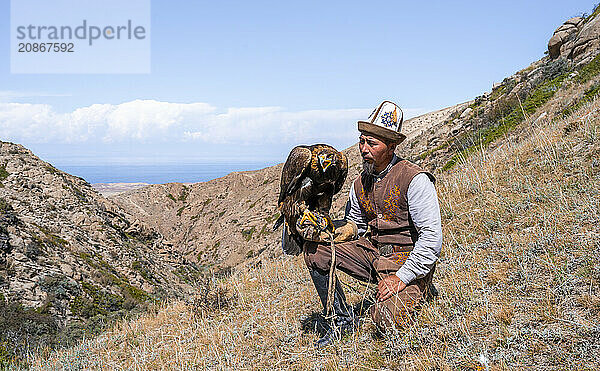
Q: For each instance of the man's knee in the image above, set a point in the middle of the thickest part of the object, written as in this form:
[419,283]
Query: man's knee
[399,310]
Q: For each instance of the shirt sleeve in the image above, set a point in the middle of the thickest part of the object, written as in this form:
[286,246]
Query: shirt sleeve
[424,210]
[354,213]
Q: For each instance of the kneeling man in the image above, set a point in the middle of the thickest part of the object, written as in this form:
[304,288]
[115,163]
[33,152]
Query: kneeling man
[394,206]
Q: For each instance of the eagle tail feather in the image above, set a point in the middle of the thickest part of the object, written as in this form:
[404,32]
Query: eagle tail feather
[278,222]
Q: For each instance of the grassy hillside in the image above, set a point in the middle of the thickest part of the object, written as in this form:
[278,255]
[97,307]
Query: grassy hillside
[518,280]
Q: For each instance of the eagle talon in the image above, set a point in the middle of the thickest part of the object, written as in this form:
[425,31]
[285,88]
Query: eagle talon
[330,224]
[322,223]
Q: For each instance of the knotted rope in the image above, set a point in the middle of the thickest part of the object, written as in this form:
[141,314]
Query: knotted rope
[331,289]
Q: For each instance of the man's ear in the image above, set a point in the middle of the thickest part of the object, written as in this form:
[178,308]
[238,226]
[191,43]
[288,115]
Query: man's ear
[392,146]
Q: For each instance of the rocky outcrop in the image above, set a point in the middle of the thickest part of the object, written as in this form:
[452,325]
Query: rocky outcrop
[562,36]
[577,39]
[586,44]
[69,253]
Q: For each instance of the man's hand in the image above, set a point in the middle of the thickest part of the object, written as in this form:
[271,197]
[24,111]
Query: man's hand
[345,230]
[389,286]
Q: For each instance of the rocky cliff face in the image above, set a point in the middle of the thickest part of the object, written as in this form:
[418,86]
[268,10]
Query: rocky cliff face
[68,255]
[577,39]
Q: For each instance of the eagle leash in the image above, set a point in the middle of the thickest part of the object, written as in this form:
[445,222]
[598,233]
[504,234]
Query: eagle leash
[331,289]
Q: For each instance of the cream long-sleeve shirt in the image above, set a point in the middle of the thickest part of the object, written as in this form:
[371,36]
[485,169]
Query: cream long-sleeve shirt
[424,210]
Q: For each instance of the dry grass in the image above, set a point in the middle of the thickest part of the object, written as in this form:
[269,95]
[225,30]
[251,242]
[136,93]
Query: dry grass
[518,282]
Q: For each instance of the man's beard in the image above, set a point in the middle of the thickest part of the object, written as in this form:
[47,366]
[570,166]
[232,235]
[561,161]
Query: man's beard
[368,175]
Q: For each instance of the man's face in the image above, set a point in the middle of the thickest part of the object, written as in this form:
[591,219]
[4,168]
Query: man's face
[375,151]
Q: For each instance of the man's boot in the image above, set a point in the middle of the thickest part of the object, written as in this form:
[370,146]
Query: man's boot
[343,321]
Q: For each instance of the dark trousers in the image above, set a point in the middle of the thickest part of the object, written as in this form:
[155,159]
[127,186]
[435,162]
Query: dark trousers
[360,259]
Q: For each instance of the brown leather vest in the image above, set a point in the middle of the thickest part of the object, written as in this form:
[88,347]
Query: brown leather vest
[386,206]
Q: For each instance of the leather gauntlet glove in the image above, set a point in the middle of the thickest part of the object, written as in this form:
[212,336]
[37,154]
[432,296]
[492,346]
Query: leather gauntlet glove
[345,230]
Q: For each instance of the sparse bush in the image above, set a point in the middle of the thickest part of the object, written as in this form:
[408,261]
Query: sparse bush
[3,173]
[189,273]
[23,330]
[519,109]
[247,233]
[142,268]
[4,206]
[96,301]
[212,296]
[184,194]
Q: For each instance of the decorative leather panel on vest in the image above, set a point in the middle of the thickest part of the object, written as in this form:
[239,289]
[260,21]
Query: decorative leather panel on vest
[386,206]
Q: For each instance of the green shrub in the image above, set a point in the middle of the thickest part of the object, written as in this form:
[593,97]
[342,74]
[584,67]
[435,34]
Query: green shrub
[132,292]
[99,302]
[587,96]
[273,218]
[265,230]
[189,273]
[184,193]
[4,206]
[142,269]
[51,169]
[3,173]
[247,233]
[587,72]
[22,330]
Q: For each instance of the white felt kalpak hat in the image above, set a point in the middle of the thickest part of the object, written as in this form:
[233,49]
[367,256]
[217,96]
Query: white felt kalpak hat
[385,122]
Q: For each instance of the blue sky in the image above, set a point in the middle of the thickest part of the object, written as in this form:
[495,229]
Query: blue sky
[249,80]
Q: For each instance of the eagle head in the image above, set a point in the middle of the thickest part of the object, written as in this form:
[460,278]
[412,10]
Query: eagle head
[325,160]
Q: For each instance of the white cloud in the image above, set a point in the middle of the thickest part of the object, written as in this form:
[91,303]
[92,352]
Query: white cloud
[149,121]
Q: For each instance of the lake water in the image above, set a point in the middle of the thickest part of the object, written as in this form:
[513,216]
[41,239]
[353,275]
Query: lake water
[158,173]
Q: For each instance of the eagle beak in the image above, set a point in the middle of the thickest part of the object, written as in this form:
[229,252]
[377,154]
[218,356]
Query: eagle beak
[325,161]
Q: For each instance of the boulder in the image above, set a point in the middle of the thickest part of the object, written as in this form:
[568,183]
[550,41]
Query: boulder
[466,113]
[561,36]
[588,39]
[576,39]
[575,21]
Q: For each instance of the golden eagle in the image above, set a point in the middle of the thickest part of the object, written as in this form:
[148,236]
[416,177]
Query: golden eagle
[310,177]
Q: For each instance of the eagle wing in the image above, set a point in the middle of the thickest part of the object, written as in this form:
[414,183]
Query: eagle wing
[295,167]
[339,182]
